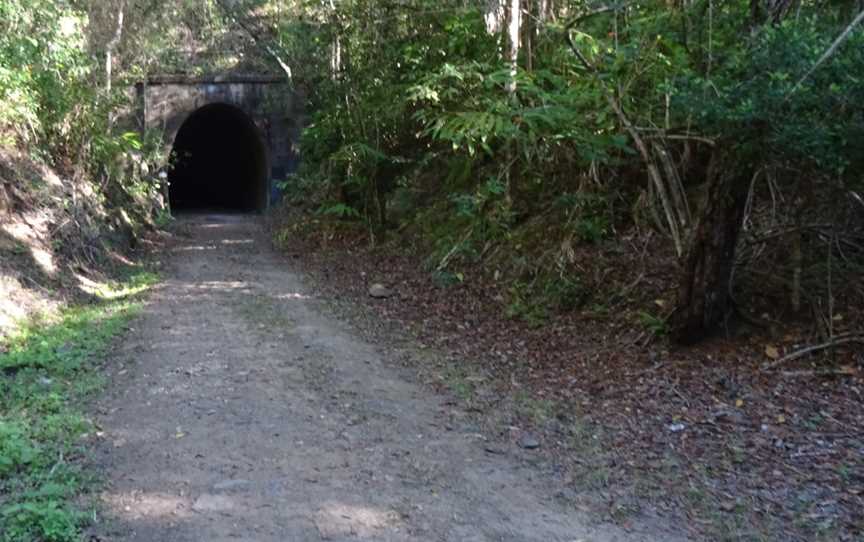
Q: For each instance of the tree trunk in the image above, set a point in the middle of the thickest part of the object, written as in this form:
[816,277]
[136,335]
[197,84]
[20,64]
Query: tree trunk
[704,300]
[112,45]
[529,34]
[545,10]
[494,16]
[335,58]
[513,17]
[336,45]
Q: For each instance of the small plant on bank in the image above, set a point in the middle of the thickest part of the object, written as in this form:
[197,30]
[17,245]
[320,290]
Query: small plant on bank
[656,325]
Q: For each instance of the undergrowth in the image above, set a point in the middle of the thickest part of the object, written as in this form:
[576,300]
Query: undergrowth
[48,368]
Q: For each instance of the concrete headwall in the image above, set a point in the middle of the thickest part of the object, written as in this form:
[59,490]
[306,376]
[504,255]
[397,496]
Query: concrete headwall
[164,103]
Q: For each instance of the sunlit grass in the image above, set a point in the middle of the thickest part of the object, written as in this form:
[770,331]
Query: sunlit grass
[48,367]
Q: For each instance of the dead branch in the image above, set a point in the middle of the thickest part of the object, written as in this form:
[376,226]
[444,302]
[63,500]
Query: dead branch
[708,141]
[793,374]
[596,11]
[833,343]
[641,146]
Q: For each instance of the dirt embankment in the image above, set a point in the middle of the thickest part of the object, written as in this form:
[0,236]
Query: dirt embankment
[58,235]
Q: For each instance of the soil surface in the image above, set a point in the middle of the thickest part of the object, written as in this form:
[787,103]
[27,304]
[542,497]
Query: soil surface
[239,411]
[725,439]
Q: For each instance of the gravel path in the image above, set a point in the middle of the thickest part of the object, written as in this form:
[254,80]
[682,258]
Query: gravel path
[238,412]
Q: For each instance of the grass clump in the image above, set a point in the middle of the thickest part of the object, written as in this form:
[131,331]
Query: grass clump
[48,367]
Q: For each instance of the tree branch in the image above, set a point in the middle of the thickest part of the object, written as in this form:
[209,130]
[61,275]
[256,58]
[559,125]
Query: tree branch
[829,52]
[653,171]
[257,40]
[833,343]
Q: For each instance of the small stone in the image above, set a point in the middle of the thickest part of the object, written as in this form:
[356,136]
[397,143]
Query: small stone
[494,450]
[529,442]
[379,291]
[676,427]
[727,506]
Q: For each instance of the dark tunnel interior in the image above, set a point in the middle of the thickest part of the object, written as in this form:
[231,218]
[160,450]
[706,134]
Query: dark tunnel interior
[219,162]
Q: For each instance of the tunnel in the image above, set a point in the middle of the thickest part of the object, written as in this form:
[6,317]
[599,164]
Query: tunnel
[219,163]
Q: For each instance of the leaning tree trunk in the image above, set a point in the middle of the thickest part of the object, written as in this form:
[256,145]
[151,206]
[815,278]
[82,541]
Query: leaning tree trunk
[704,299]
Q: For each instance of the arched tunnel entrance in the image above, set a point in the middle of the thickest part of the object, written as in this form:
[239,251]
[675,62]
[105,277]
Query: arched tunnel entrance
[219,162]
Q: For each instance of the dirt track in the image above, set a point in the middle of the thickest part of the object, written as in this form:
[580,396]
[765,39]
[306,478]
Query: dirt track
[239,412]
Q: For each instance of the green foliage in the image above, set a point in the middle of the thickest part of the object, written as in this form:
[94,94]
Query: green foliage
[425,120]
[534,301]
[45,517]
[42,67]
[15,450]
[66,347]
[587,214]
[767,117]
[46,369]
[472,206]
[51,107]
[443,278]
[339,210]
[656,325]
[468,107]
[406,109]
[565,293]
[525,305]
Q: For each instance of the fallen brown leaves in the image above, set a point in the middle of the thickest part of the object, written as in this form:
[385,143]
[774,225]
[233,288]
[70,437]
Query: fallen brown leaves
[701,434]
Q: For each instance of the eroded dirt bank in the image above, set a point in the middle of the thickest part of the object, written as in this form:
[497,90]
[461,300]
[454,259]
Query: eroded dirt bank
[239,412]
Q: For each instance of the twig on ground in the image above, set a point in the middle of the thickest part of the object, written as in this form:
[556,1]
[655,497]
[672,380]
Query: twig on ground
[833,343]
[816,373]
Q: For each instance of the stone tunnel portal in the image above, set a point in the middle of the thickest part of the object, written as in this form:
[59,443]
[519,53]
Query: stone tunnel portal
[219,162]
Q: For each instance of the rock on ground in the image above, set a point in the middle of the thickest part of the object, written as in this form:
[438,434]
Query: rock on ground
[379,291]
